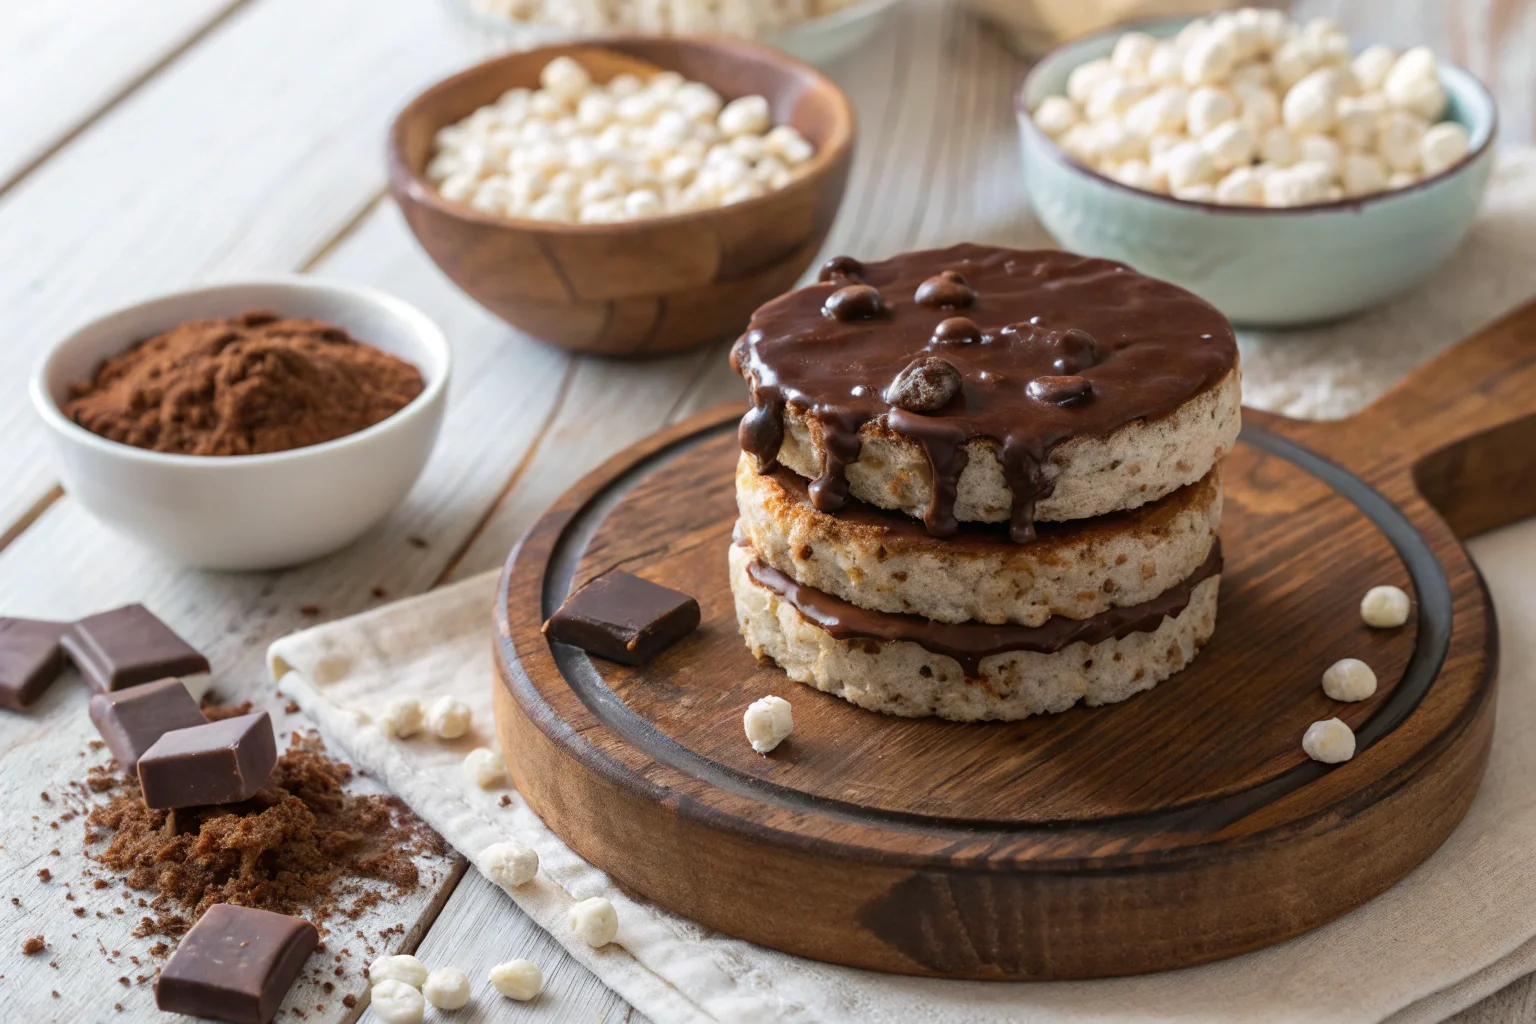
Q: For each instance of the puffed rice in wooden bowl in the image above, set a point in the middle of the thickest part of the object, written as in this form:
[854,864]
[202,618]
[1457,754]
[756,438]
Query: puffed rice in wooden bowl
[636,287]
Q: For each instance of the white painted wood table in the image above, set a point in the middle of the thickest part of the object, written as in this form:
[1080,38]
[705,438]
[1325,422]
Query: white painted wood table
[146,145]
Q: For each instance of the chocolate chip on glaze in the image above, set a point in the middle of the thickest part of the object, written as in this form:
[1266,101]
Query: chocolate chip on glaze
[926,385]
[957,330]
[840,269]
[1143,346]
[946,290]
[854,302]
[1060,390]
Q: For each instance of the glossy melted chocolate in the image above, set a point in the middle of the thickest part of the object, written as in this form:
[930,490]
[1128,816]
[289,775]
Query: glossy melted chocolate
[1048,346]
[970,643]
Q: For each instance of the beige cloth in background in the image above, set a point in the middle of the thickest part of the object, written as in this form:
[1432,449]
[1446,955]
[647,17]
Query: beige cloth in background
[1460,927]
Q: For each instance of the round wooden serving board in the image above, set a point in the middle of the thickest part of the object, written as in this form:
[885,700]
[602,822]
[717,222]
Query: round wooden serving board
[1180,826]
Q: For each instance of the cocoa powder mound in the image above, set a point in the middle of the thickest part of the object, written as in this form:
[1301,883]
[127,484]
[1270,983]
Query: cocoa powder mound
[301,846]
[249,385]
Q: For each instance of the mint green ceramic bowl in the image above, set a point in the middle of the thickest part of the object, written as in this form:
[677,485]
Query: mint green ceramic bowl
[1259,266]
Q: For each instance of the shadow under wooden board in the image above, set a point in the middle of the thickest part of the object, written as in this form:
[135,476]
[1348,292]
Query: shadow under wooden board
[1178,827]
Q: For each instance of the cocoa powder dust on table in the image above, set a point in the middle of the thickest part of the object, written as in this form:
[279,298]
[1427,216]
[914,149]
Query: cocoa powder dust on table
[301,846]
[249,385]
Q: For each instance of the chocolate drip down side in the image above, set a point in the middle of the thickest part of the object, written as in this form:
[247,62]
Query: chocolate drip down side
[970,643]
[1047,347]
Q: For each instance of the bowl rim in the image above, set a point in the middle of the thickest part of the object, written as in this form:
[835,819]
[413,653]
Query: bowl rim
[404,178]
[417,323]
[1349,203]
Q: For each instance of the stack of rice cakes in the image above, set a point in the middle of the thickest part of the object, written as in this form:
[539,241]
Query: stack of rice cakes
[982,483]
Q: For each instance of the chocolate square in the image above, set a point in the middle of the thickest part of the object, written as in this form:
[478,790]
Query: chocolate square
[236,964]
[218,763]
[624,618]
[30,659]
[129,646]
[132,720]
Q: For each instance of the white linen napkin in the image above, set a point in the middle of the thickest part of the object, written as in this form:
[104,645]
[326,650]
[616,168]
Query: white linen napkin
[1458,928]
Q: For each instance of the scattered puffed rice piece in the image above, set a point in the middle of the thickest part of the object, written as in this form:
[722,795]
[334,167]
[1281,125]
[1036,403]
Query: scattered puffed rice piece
[1329,741]
[402,717]
[446,988]
[448,717]
[1384,607]
[1349,679]
[484,767]
[517,979]
[768,722]
[508,864]
[402,967]
[395,1002]
[595,921]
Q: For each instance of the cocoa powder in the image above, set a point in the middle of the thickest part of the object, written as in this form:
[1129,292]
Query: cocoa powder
[302,846]
[248,385]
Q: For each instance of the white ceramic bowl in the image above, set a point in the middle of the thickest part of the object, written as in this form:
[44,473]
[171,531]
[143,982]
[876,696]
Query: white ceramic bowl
[819,41]
[249,511]
[1259,266]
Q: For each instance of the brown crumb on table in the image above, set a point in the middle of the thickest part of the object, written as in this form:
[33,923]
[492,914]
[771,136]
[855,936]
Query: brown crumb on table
[46,798]
[291,708]
[96,744]
[416,542]
[44,874]
[309,611]
[506,801]
[380,593]
[302,846]
[36,944]
[349,1001]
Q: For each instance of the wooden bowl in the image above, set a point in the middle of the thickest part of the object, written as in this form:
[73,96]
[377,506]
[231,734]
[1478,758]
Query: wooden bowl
[640,287]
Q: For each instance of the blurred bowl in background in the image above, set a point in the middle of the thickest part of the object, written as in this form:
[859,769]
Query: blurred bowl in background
[1260,266]
[639,287]
[820,41]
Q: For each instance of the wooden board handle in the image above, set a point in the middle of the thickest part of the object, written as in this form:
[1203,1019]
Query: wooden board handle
[1464,425]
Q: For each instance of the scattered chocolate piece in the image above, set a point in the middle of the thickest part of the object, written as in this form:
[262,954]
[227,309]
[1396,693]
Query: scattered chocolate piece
[947,289]
[44,875]
[309,611]
[957,330]
[854,302]
[840,268]
[36,944]
[218,763]
[132,720]
[129,646]
[926,385]
[1060,390]
[30,659]
[624,618]
[236,964]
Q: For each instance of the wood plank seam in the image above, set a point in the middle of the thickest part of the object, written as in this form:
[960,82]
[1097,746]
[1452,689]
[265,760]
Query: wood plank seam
[128,88]
[517,471]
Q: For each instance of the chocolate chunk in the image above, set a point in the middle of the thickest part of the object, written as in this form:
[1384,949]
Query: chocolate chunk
[132,720]
[926,385]
[947,289]
[236,964]
[221,762]
[1076,351]
[854,302]
[957,330]
[30,659]
[624,618]
[840,268]
[129,646]
[1060,390]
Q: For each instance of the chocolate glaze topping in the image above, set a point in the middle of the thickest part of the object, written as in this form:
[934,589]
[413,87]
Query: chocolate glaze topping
[1047,345]
[970,643]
